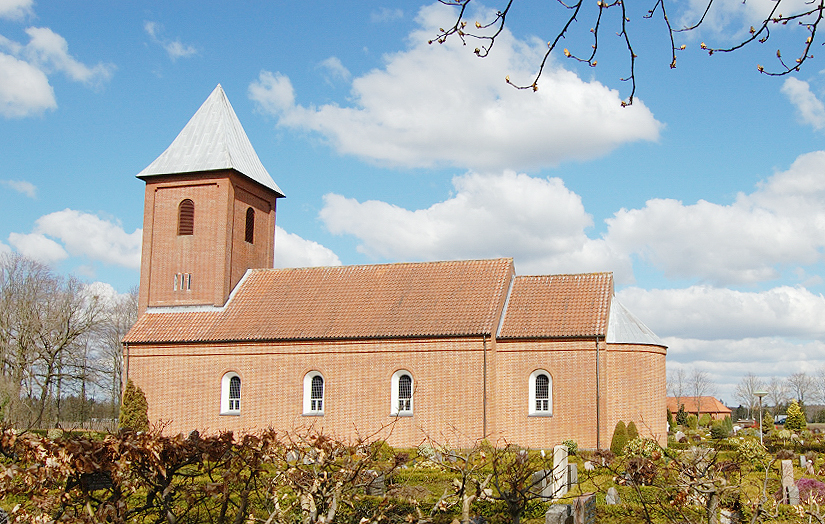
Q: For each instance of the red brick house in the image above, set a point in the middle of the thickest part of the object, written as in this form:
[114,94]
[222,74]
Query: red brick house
[699,406]
[454,350]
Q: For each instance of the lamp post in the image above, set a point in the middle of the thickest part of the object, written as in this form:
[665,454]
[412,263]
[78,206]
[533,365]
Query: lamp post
[760,394]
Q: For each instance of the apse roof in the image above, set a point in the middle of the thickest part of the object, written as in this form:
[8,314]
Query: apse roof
[212,140]
[625,328]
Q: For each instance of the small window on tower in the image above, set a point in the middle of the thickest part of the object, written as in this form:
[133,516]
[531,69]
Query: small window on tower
[250,225]
[186,218]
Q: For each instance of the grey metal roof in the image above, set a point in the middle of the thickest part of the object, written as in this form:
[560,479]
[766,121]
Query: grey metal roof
[213,139]
[624,328]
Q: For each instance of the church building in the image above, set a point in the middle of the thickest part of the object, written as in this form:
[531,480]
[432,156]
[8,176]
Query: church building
[452,350]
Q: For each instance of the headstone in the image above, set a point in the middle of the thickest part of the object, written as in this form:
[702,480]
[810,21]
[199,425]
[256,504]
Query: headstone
[292,456]
[792,495]
[679,436]
[584,509]
[542,482]
[376,485]
[803,462]
[809,470]
[559,514]
[572,475]
[478,520]
[559,471]
[787,478]
[589,466]
[612,498]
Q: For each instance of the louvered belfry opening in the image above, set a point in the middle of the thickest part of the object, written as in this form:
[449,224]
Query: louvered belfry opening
[250,225]
[186,218]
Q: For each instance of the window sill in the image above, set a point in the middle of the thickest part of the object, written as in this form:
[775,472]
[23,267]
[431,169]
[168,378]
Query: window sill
[402,414]
[540,415]
[313,414]
[231,414]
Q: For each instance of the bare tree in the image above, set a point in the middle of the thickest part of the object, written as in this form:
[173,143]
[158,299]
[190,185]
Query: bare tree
[801,385]
[819,385]
[777,394]
[43,318]
[700,386]
[745,390]
[597,21]
[118,317]
[677,385]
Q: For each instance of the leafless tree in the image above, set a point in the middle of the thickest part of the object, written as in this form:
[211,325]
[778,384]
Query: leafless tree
[777,394]
[677,385]
[118,317]
[801,385]
[43,318]
[700,386]
[745,390]
[615,15]
[819,385]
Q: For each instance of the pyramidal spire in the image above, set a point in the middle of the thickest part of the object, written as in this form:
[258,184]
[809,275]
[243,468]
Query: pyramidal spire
[212,140]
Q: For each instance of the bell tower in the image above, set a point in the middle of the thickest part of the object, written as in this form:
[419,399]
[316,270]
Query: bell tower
[209,212]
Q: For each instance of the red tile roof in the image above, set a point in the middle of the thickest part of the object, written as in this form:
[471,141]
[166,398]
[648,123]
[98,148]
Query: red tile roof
[708,405]
[371,301]
[558,306]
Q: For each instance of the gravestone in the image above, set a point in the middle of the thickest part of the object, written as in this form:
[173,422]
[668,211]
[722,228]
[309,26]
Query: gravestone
[679,436]
[792,495]
[589,466]
[376,485]
[542,482]
[572,475]
[559,514]
[584,509]
[559,471]
[809,470]
[787,478]
[729,516]
[803,462]
[612,498]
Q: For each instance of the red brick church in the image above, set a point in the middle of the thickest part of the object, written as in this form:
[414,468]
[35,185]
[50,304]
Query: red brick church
[452,350]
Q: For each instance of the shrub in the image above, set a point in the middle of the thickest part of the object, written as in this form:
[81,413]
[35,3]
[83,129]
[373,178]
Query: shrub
[796,418]
[767,422]
[572,446]
[134,414]
[811,490]
[705,420]
[620,439]
[632,432]
[682,416]
[692,421]
[643,447]
[750,451]
[671,422]
[719,430]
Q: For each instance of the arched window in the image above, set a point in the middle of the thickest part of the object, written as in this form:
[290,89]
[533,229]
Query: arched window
[186,217]
[231,394]
[541,393]
[401,393]
[250,225]
[313,393]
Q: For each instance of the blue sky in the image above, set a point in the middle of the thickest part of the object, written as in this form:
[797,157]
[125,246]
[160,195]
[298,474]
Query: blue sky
[706,197]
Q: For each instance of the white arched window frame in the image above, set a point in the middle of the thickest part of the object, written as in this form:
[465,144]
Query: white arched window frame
[231,394]
[541,394]
[401,398]
[314,393]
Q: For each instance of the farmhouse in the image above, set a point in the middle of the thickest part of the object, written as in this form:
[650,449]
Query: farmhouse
[453,350]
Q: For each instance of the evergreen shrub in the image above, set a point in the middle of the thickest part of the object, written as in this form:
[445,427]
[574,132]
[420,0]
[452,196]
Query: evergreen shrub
[620,439]
[134,414]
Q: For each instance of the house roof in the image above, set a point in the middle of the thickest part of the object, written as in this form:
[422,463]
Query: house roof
[707,405]
[625,328]
[558,306]
[214,139]
[371,301]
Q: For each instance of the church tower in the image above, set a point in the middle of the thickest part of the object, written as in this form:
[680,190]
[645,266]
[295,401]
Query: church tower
[209,212]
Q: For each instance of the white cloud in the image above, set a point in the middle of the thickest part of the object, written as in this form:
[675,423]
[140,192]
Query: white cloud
[50,52]
[174,48]
[808,106]
[294,251]
[24,70]
[84,234]
[24,89]
[21,186]
[385,14]
[4,248]
[15,9]
[334,70]
[708,313]
[538,222]
[439,104]
[753,239]
[38,247]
